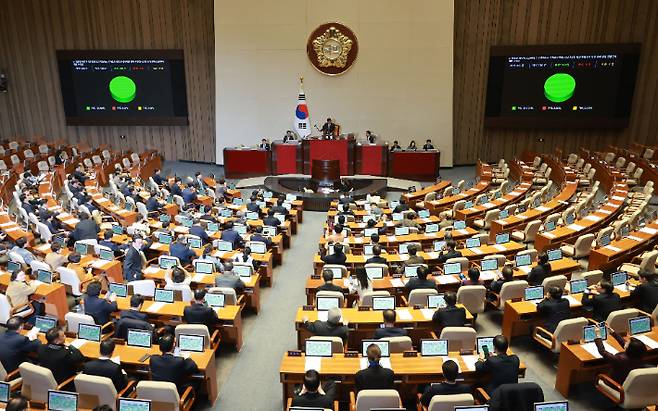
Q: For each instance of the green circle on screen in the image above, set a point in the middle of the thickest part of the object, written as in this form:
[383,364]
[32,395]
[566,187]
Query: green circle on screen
[123,89]
[559,87]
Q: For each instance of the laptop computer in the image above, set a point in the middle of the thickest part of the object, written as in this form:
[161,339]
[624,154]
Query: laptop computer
[106,255]
[375,273]
[552,406]
[473,242]
[45,276]
[452,268]
[522,260]
[194,242]
[120,290]
[383,346]
[138,338]
[502,238]
[89,332]
[215,300]
[191,343]
[533,293]
[490,264]
[482,342]
[204,267]
[554,255]
[318,348]
[163,296]
[44,324]
[167,262]
[433,348]
[62,400]
[589,332]
[436,301]
[639,325]
[132,404]
[326,303]
[381,303]
[577,286]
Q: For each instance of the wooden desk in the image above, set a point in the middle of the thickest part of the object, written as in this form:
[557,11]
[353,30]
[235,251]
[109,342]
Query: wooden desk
[415,165]
[53,295]
[437,206]
[247,162]
[477,211]
[620,251]
[419,196]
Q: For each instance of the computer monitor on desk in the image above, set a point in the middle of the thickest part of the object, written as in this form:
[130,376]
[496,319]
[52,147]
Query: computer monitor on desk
[132,404]
[552,406]
[138,338]
[62,400]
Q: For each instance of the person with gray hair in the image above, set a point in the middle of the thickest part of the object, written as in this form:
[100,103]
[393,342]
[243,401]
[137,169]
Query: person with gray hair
[333,327]
[229,279]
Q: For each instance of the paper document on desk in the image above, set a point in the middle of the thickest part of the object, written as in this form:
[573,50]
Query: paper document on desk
[606,212]
[404,314]
[575,227]
[613,248]
[116,359]
[499,247]
[391,238]
[648,230]
[99,264]
[155,307]
[521,216]
[404,257]
[591,348]
[548,235]
[542,208]
[33,333]
[446,279]
[151,269]
[594,218]
[9,230]
[488,275]
[469,361]
[476,250]
[428,313]
[618,198]
[572,301]
[397,282]
[525,269]
[636,239]
[312,363]
[488,205]
[323,315]
[384,362]
[622,287]
[197,278]
[77,343]
[433,255]
[648,341]
[462,231]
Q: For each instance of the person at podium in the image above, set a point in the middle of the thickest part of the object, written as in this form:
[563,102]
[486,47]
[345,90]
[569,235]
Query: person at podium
[289,136]
[428,145]
[396,146]
[328,129]
[370,137]
[264,145]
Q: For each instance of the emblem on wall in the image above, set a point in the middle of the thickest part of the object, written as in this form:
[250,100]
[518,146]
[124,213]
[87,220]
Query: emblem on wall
[332,48]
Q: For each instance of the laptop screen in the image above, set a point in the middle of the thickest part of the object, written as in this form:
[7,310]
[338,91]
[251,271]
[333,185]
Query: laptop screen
[523,260]
[165,238]
[317,348]
[552,406]
[624,231]
[375,273]
[431,228]
[212,227]
[533,293]
[4,392]
[325,303]
[89,332]
[618,278]
[639,325]
[337,272]
[383,303]
[452,268]
[226,212]
[269,231]
[251,215]
[164,218]
[45,276]
[204,267]
[571,217]
[455,191]
[554,255]
[242,270]
[215,299]
[490,264]
[472,242]
[411,271]
[120,290]
[502,238]
[130,404]
[436,301]
[468,204]
[438,245]
[485,341]
[44,323]
[549,226]
[237,201]
[424,213]
[503,214]
[280,217]
[472,408]
[577,286]
[383,346]
[258,247]
[81,248]
[403,248]
[194,242]
[167,262]
[163,296]
[459,225]
[604,240]
[187,222]
[397,216]
[194,343]
[370,231]
[401,230]
[139,338]
[62,400]
[224,245]
[589,332]
[433,348]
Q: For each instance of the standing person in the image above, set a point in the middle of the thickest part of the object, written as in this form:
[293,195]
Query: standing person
[133,262]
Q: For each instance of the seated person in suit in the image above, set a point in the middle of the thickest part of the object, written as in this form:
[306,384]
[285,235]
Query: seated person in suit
[170,368]
[189,194]
[420,282]
[258,236]
[133,312]
[338,257]
[232,236]
[328,129]
[402,207]
[290,136]
[279,208]
[60,359]
[370,137]
[329,285]
[313,395]
[21,249]
[412,146]
[86,229]
[389,329]
[409,221]
[428,145]
[158,178]
[199,313]
[507,275]
[376,256]
[252,205]
[74,264]
[107,242]
[473,277]
[602,300]
[450,315]
[375,377]
[229,279]
[55,258]
[448,387]
[14,346]
[451,252]
[330,328]
[395,146]
[623,362]
[153,204]
[553,308]
[270,220]
[503,368]
[105,367]
[200,232]
[540,271]
[414,258]
[182,251]
[100,309]
[646,293]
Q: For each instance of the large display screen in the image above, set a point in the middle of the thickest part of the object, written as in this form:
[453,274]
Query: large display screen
[584,86]
[119,87]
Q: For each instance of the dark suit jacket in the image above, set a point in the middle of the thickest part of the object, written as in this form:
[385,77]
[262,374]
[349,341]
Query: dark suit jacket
[158,179]
[188,195]
[254,207]
[132,265]
[376,260]
[271,221]
[170,368]
[553,311]
[200,314]
[100,309]
[61,360]
[107,368]
[109,244]
[198,231]
[234,237]
[620,362]
[86,230]
[417,284]
[335,258]
[329,287]
[182,251]
[326,329]
[390,332]
[503,369]
[375,377]
[134,314]
[443,388]
[646,295]
[261,238]
[14,347]
[538,274]
[126,323]
[152,204]
[496,285]
[314,400]
[443,257]
[602,305]
[450,317]
[280,210]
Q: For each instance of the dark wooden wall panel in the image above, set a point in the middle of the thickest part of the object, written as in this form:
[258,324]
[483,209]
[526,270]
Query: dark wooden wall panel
[482,23]
[31,31]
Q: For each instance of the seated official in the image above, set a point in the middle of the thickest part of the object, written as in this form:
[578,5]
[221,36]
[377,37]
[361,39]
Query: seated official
[208,257]
[158,178]
[152,203]
[252,205]
[188,194]
[473,277]
[330,328]
[646,293]
[264,145]
[279,208]
[170,368]
[375,377]
[540,271]
[290,136]
[181,250]
[108,243]
[229,279]
[376,256]
[623,362]
[258,236]
[19,403]
[105,367]
[14,347]
[338,257]
[451,252]
[553,308]
[428,145]
[602,300]
[200,232]
[450,315]
[85,229]
[328,277]
[409,220]
[412,146]
[396,146]
[60,359]
[178,279]
[414,258]
[20,249]
[232,236]
[421,281]
[199,313]
[133,312]
[501,367]
[55,258]
[20,289]
[389,329]
[270,220]
[100,309]
[448,387]
[506,275]
[313,395]
[328,128]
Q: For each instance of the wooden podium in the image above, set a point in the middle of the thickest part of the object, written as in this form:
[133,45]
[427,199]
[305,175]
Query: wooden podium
[341,150]
[325,172]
